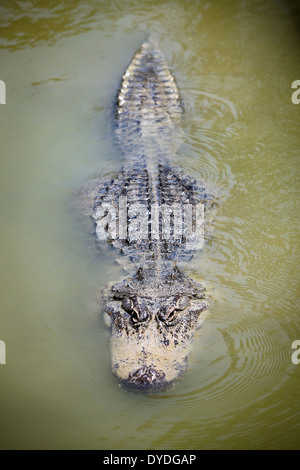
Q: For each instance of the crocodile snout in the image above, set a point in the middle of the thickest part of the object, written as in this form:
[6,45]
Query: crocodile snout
[146,378]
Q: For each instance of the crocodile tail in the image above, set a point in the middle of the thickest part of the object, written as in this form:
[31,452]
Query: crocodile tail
[148,102]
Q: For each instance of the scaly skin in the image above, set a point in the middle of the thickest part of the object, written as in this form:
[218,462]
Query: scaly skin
[153,315]
[153,319]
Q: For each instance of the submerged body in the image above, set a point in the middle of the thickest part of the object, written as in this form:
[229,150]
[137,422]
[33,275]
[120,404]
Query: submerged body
[152,213]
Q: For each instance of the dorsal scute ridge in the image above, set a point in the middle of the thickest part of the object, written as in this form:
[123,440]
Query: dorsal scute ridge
[148,97]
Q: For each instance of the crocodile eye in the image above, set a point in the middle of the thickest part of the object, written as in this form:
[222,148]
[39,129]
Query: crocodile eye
[166,313]
[139,313]
[182,303]
[127,305]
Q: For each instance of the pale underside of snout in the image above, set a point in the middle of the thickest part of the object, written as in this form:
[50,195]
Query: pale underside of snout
[151,362]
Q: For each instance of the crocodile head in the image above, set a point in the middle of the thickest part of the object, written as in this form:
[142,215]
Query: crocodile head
[153,318]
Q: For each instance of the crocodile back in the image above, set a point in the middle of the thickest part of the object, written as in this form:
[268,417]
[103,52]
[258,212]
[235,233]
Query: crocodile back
[148,110]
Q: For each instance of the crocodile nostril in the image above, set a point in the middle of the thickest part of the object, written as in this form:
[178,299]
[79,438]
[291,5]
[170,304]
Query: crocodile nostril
[146,378]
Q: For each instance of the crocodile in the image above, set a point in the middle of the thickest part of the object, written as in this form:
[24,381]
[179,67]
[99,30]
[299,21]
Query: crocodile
[151,212]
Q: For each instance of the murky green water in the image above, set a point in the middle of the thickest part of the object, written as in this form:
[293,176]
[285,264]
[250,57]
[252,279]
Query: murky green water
[234,62]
